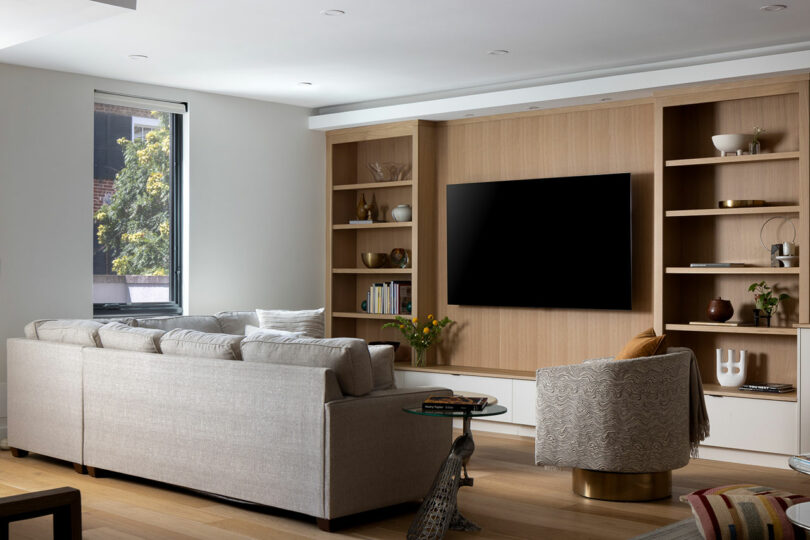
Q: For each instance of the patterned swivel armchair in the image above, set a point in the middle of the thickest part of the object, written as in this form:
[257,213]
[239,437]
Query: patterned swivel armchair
[621,425]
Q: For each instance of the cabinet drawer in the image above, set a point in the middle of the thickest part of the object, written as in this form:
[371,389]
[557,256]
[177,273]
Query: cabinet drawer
[524,402]
[500,388]
[753,424]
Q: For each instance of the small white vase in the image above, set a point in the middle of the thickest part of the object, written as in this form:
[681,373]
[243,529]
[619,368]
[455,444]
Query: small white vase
[402,212]
[731,373]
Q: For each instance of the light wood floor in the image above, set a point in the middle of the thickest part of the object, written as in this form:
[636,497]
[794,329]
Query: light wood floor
[511,499]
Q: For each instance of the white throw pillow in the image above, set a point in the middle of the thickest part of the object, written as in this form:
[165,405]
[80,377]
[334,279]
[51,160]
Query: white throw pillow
[250,330]
[309,321]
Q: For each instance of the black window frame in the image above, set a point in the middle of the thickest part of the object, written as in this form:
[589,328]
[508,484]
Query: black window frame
[174,307]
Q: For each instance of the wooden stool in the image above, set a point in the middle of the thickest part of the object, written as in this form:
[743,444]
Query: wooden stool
[64,503]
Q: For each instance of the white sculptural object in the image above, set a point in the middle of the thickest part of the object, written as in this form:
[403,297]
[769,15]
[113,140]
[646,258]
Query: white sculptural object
[731,373]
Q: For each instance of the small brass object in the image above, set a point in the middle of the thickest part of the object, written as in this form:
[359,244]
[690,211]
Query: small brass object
[740,203]
[374,260]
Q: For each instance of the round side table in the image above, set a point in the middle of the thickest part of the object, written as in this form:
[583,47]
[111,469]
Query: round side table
[439,510]
[799,514]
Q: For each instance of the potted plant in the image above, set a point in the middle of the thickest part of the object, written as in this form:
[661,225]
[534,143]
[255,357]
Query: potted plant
[765,303]
[420,335]
[753,146]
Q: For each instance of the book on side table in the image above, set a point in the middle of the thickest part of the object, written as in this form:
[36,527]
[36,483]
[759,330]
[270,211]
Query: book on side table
[454,403]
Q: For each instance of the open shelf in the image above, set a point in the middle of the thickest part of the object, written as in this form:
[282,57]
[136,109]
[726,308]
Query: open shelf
[716,329]
[777,156]
[756,270]
[380,271]
[733,211]
[469,370]
[360,315]
[372,185]
[382,225]
[717,390]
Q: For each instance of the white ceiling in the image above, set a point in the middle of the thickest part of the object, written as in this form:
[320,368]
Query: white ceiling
[381,49]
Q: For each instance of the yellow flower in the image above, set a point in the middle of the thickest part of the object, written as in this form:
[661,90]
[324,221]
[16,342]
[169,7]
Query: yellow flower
[435,323]
[426,330]
[430,316]
[401,326]
[415,320]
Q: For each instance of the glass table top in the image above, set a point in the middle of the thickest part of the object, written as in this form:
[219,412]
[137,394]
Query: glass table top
[489,410]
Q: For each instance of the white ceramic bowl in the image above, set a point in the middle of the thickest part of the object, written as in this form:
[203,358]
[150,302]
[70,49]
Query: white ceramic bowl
[731,142]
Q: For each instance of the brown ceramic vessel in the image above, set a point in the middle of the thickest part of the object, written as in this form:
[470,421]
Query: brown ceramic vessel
[719,310]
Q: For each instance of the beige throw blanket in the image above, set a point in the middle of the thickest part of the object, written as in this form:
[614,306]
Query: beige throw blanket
[698,417]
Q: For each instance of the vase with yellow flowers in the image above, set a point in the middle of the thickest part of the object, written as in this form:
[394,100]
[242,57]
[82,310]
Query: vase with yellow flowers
[420,335]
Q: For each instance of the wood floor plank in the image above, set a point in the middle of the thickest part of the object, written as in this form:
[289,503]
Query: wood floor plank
[511,499]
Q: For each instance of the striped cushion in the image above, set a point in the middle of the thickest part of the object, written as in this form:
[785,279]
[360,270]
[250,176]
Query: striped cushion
[744,512]
[309,321]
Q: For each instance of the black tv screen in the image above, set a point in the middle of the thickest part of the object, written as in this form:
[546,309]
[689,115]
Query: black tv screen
[545,243]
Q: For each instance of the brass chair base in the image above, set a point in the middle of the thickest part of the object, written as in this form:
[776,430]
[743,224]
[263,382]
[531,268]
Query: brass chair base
[616,486]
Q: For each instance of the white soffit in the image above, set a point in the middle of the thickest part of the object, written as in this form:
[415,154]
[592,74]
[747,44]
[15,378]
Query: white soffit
[26,20]
[577,92]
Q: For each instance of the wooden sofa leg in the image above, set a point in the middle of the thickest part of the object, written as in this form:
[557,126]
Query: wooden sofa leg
[16,452]
[79,468]
[95,473]
[324,524]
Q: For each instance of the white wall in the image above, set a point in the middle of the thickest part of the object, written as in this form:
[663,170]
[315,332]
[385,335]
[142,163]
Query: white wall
[255,200]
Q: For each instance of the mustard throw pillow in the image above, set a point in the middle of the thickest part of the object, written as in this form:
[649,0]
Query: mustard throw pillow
[644,344]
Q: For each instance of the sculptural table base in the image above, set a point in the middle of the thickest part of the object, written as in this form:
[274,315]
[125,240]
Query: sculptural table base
[439,511]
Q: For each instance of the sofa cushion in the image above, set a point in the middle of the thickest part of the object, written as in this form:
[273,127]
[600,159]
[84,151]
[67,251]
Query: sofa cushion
[644,344]
[200,323]
[250,330]
[347,357]
[309,321]
[382,366]
[234,322]
[743,511]
[184,342]
[116,335]
[75,331]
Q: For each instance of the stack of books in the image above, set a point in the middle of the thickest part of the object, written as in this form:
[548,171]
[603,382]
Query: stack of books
[390,298]
[774,388]
[454,403]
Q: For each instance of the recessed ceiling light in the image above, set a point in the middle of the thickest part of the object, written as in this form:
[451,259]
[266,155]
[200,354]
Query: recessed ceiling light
[333,12]
[773,7]
[305,84]
[498,52]
[138,57]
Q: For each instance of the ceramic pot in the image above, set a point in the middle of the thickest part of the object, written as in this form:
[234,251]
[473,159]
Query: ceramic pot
[402,213]
[719,310]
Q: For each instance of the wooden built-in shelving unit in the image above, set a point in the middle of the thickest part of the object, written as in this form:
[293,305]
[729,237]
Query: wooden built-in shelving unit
[690,179]
[348,178]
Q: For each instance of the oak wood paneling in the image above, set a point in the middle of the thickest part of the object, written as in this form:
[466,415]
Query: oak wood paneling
[592,140]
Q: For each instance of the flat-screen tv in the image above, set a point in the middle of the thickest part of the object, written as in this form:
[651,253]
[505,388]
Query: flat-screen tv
[542,243]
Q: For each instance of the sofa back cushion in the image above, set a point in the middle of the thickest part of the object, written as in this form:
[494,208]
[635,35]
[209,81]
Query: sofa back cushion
[115,335]
[75,331]
[309,321]
[382,366]
[347,357]
[184,342]
[200,323]
[234,322]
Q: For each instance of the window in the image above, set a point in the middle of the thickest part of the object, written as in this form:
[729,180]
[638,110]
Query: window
[136,206]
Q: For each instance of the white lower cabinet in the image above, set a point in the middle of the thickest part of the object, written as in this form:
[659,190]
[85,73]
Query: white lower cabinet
[758,425]
[516,394]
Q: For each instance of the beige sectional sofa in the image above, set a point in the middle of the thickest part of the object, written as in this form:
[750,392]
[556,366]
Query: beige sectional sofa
[309,425]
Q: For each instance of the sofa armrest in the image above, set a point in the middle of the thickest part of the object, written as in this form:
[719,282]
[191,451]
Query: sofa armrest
[378,455]
[45,398]
[622,416]
[382,366]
